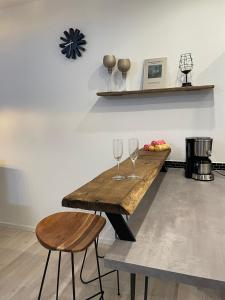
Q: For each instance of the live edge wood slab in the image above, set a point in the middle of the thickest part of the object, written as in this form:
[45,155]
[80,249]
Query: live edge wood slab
[118,197]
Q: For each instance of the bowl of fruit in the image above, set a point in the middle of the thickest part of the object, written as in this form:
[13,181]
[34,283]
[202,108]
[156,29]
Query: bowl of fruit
[159,145]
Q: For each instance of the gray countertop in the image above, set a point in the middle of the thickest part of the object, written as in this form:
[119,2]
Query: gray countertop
[180,232]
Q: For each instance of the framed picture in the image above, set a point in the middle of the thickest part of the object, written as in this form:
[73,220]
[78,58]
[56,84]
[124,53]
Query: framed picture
[155,73]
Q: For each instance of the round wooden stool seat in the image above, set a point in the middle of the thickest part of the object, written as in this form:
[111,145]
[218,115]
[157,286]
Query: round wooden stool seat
[69,231]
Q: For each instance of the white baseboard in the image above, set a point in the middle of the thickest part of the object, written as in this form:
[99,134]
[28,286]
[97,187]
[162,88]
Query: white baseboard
[17,226]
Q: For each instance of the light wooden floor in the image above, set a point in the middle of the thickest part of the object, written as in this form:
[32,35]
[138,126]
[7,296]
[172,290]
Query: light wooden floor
[22,261]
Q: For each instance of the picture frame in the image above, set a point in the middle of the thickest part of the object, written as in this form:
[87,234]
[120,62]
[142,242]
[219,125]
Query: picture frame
[155,73]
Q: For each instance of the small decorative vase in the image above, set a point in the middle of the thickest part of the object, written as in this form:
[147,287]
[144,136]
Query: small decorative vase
[109,61]
[124,67]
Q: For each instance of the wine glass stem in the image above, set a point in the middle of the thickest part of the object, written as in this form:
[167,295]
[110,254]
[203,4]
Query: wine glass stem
[133,161]
[110,82]
[124,76]
[118,167]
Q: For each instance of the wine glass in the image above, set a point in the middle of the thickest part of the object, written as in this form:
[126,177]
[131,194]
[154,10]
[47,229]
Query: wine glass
[124,67]
[133,145]
[118,153]
[109,61]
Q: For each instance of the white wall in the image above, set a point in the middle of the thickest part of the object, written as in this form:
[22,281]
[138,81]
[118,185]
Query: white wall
[56,134]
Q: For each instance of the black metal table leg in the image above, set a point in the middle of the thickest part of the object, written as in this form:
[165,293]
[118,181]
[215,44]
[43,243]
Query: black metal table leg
[164,168]
[146,288]
[120,226]
[132,286]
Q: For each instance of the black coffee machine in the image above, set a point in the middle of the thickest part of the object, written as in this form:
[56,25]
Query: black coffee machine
[198,164]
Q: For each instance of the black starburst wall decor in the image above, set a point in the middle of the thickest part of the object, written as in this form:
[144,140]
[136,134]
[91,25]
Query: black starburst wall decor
[73,41]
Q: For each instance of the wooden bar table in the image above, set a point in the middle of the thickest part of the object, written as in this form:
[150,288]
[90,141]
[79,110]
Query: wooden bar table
[117,198]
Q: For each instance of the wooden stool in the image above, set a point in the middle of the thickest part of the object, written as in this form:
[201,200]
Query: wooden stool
[70,232]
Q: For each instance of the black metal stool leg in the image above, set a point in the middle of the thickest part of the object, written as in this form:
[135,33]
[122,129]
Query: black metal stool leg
[96,278]
[146,288]
[73,276]
[99,256]
[103,275]
[57,289]
[118,282]
[82,267]
[101,293]
[132,286]
[99,274]
[43,278]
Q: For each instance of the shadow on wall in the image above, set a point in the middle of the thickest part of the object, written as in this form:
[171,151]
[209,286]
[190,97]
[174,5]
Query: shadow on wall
[214,73]
[13,195]
[156,112]
[167,101]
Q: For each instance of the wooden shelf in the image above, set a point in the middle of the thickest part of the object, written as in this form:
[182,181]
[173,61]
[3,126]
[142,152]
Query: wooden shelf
[157,91]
